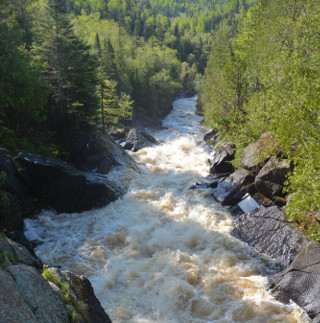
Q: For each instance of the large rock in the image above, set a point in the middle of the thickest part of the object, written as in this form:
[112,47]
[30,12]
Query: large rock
[59,185]
[267,230]
[38,295]
[83,290]
[138,139]
[222,160]
[271,178]
[98,152]
[210,137]
[89,153]
[26,296]
[16,202]
[300,282]
[255,155]
[234,187]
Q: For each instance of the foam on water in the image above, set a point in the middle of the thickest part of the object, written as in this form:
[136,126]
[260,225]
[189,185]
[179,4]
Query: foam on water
[163,253]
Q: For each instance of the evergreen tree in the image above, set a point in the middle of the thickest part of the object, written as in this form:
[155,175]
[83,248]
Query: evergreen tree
[70,70]
[22,94]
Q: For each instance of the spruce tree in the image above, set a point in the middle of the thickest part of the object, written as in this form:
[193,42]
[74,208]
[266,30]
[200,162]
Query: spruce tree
[70,69]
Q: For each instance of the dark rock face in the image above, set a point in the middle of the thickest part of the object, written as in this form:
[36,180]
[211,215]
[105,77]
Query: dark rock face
[270,179]
[127,145]
[16,201]
[138,139]
[210,137]
[98,152]
[234,187]
[222,161]
[256,154]
[84,291]
[300,281]
[267,230]
[89,152]
[62,187]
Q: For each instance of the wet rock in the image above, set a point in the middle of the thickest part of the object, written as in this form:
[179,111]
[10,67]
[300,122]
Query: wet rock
[235,211]
[59,185]
[300,282]
[267,230]
[89,153]
[98,152]
[127,145]
[214,180]
[234,187]
[38,295]
[222,160]
[270,179]
[210,137]
[255,155]
[15,198]
[140,139]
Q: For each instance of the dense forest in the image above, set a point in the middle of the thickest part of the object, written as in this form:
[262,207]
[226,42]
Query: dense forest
[267,79]
[67,63]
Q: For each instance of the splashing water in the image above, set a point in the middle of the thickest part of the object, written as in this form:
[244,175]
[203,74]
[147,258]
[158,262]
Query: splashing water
[163,253]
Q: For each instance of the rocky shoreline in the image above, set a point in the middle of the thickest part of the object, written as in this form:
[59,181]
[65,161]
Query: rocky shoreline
[30,291]
[266,228]
[30,182]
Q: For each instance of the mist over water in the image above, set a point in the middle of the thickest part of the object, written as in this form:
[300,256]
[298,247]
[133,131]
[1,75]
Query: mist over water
[163,253]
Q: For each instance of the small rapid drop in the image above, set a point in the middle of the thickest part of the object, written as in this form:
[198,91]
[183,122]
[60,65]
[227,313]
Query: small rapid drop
[163,253]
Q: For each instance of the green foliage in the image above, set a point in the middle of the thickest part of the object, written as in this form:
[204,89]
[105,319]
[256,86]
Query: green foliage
[74,307]
[268,80]
[22,95]
[4,262]
[70,70]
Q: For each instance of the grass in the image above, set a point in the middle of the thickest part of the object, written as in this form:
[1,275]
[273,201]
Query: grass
[74,307]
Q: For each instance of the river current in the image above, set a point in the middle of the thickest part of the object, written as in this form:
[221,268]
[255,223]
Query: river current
[164,253]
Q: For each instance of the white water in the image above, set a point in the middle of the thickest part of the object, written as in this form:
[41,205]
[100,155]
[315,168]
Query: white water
[163,253]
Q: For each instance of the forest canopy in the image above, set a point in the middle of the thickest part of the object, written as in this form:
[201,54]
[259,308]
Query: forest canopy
[66,63]
[267,79]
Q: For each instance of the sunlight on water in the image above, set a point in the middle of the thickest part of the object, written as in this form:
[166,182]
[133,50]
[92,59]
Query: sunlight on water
[163,253]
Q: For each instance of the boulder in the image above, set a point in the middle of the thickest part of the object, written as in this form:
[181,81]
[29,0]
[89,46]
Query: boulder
[127,145]
[272,176]
[82,289]
[222,160]
[140,139]
[300,282]
[255,155]
[98,152]
[267,230]
[210,137]
[16,201]
[231,190]
[262,200]
[89,153]
[26,296]
[62,187]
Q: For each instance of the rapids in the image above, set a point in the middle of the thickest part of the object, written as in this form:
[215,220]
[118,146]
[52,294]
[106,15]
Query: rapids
[163,253]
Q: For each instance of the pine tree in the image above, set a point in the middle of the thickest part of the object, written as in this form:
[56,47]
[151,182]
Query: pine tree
[70,69]
[22,94]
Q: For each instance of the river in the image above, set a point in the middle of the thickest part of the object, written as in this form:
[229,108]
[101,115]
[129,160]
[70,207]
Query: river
[164,253]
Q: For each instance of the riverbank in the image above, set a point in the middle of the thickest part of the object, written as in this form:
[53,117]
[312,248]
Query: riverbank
[164,252]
